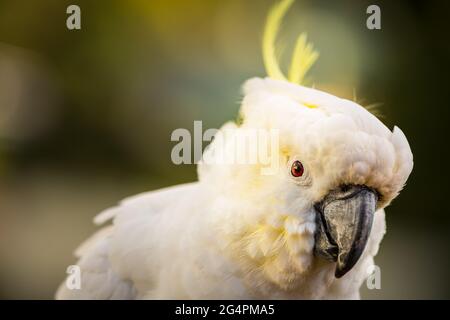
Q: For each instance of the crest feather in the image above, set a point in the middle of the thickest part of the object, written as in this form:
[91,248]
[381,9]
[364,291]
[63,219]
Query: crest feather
[303,56]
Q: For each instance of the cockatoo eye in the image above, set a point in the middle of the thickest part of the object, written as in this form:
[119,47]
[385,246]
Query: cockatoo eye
[297,169]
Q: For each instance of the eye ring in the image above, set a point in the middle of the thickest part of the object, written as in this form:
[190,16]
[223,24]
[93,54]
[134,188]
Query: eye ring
[297,169]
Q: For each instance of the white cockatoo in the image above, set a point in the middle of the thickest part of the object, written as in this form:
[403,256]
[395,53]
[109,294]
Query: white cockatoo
[308,229]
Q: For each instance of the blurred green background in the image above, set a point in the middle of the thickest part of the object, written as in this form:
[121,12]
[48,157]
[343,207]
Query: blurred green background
[86,115]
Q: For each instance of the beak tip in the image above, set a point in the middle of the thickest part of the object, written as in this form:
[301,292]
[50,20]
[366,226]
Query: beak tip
[345,263]
[340,272]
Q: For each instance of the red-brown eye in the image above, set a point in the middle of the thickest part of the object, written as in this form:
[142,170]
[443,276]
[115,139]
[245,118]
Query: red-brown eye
[297,169]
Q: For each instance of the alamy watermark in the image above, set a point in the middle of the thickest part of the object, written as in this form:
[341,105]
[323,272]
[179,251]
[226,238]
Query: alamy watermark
[73,280]
[373,22]
[73,21]
[373,280]
[231,146]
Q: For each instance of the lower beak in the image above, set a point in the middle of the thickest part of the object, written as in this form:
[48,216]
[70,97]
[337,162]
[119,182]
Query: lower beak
[344,219]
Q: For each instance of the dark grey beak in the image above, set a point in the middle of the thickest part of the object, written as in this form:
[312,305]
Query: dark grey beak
[344,220]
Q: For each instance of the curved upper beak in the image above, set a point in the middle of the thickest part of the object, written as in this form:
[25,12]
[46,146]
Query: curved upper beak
[344,219]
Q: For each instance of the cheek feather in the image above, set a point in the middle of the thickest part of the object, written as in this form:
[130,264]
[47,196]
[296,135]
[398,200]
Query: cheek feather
[280,248]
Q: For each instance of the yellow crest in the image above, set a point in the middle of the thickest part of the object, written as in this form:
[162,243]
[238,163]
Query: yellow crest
[303,56]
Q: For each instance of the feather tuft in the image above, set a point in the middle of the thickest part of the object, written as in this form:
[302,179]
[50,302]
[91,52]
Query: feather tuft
[303,57]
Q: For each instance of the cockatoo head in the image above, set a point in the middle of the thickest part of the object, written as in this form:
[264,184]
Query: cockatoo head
[336,165]
[334,157]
